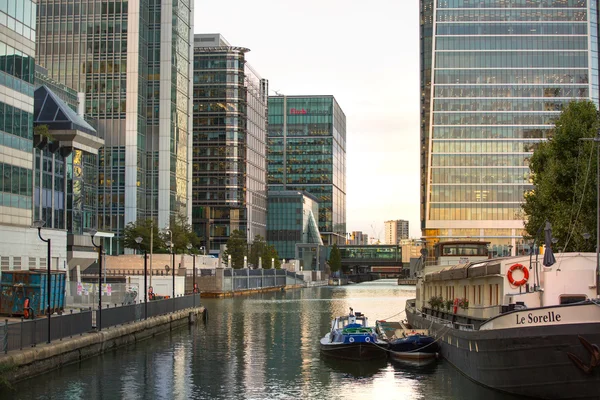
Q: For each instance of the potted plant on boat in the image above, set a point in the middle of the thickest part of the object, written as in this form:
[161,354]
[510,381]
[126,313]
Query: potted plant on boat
[448,305]
[463,303]
[436,303]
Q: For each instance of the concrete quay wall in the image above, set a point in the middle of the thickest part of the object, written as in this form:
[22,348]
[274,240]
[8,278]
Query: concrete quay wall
[43,358]
[244,292]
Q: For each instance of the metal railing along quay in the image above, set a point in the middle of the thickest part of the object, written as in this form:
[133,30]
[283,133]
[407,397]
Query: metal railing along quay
[18,335]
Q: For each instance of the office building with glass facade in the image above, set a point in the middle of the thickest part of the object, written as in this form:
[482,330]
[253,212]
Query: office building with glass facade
[307,152]
[495,74]
[20,247]
[132,59]
[292,219]
[229,147]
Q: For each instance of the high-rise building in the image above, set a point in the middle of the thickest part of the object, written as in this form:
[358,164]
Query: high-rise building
[494,76]
[292,219]
[307,152]
[132,59]
[20,247]
[229,150]
[395,231]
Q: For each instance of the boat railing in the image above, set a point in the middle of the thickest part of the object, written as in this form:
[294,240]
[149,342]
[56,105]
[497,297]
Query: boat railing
[456,325]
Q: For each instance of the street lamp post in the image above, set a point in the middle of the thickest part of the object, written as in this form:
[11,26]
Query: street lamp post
[138,240]
[189,247]
[93,233]
[38,224]
[100,248]
[170,244]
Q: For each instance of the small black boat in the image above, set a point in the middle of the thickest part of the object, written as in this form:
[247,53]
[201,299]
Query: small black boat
[406,343]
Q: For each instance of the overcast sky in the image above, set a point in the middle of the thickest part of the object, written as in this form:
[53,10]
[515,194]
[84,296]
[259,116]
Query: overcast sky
[366,54]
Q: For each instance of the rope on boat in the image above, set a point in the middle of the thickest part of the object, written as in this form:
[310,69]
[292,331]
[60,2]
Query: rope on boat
[414,350]
[385,319]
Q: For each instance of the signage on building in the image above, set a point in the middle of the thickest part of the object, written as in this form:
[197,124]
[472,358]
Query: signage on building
[304,111]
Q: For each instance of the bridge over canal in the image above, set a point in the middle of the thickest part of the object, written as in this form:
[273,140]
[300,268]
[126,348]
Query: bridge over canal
[374,262]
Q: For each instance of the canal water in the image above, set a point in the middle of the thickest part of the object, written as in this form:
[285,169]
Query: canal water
[259,347]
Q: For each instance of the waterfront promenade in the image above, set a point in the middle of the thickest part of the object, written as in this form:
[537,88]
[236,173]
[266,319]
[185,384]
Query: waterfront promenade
[76,336]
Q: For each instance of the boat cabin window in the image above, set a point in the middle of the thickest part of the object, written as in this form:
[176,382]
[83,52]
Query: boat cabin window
[572,298]
[461,249]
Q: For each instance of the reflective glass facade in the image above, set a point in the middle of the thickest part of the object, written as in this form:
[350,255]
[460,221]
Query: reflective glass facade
[132,59]
[495,74]
[292,219]
[229,147]
[307,152]
[17,54]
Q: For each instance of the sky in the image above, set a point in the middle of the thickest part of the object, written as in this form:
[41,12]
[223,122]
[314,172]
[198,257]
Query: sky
[365,54]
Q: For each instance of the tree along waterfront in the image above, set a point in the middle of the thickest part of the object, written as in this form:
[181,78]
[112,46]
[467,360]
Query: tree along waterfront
[257,347]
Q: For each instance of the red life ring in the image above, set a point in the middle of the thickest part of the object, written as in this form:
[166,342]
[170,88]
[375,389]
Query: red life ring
[525,275]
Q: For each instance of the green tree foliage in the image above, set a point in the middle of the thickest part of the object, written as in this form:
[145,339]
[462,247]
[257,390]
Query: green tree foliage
[142,229]
[335,259]
[258,249]
[564,174]
[237,247]
[269,254]
[183,234]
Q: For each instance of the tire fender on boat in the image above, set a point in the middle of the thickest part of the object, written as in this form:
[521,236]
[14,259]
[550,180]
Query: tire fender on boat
[351,340]
[367,339]
[519,282]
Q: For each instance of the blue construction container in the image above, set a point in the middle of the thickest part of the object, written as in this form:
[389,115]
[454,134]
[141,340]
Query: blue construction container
[20,287]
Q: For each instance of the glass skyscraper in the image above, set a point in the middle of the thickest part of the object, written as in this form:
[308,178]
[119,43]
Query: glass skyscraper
[229,150]
[495,74]
[307,152]
[132,59]
[292,220]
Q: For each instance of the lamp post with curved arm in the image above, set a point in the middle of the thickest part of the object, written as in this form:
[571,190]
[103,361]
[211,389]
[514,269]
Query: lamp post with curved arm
[93,233]
[139,240]
[39,224]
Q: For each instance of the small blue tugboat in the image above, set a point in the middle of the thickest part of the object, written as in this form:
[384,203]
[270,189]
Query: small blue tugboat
[351,338]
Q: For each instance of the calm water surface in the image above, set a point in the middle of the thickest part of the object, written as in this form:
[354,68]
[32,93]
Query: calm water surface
[259,347]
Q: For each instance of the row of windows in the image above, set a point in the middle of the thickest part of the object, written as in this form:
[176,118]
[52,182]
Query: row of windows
[16,63]
[533,28]
[511,15]
[23,11]
[294,142]
[216,63]
[484,59]
[310,160]
[200,106]
[503,104]
[479,193]
[16,121]
[229,136]
[106,27]
[16,84]
[477,212]
[75,8]
[511,91]
[218,77]
[519,76]
[16,180]
[484,146]
[511,3]
[499,160]
[233,195]
[511,43]
[480,175]
[494,119]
